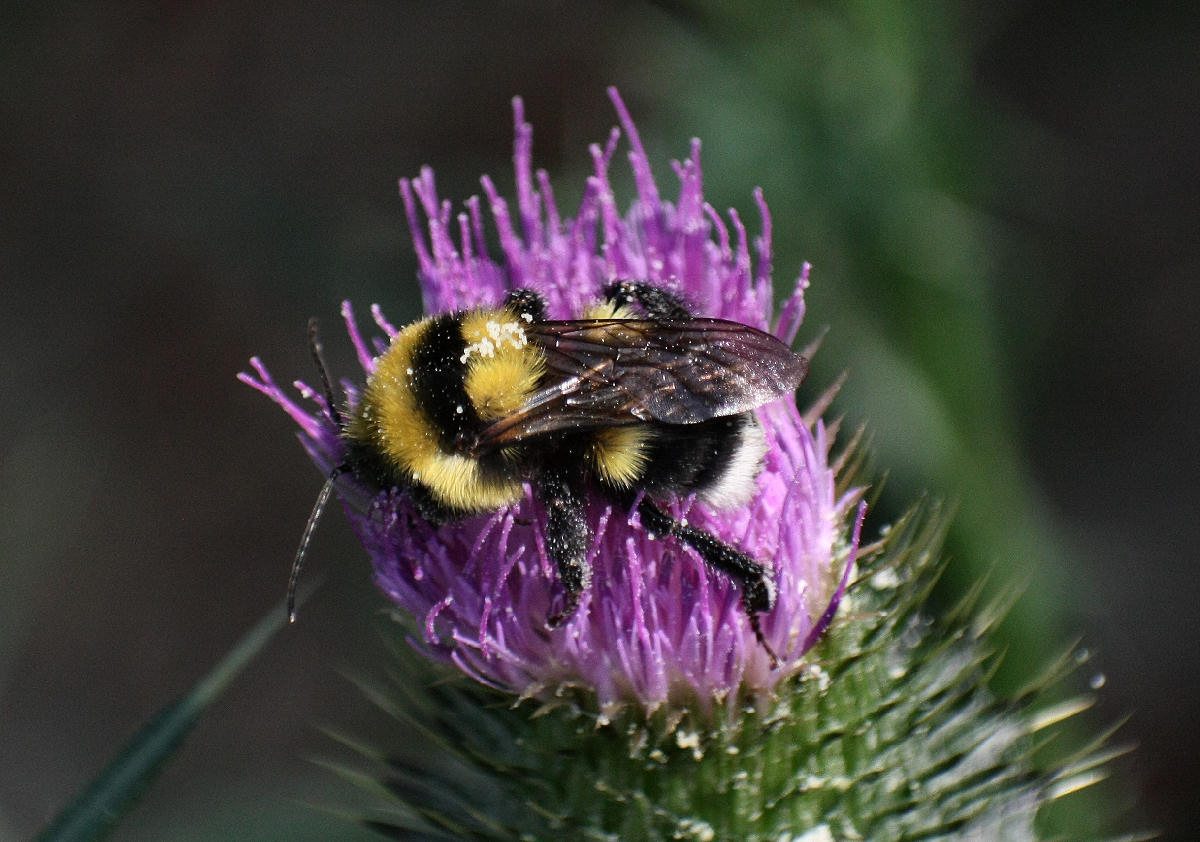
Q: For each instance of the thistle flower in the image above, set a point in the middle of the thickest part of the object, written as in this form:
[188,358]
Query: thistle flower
[656,627]
[892,734]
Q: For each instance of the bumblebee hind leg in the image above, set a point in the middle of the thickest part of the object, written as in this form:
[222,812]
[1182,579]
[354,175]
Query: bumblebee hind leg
[758,593]
[526,302]
[567,538]
[655,301]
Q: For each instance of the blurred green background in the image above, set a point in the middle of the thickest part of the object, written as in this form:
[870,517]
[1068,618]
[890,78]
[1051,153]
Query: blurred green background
[1000,203]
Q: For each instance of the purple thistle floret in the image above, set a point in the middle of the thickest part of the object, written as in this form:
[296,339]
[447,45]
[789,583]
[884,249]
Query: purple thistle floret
[655,627]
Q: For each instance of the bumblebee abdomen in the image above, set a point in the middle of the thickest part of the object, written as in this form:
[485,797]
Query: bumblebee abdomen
[441,380]
[718,460]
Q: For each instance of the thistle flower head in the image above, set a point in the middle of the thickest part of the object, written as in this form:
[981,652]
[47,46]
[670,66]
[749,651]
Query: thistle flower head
[656,627]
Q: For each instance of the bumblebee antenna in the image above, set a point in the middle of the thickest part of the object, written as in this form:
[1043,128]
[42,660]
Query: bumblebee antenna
[309,528]
[335,415]
[314,347]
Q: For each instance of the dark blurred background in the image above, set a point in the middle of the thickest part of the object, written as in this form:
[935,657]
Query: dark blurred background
[1001,206]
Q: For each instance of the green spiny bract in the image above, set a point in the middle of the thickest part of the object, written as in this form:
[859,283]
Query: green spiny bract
[892,733]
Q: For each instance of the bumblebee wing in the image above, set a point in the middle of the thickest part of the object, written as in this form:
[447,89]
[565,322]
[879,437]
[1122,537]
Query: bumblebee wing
[613,372]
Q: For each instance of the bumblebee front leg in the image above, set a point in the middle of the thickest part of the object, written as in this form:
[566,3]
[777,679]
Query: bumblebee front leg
[567,537]
[758,592]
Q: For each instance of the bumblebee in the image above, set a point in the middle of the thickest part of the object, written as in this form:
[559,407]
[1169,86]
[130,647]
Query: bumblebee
[636,402]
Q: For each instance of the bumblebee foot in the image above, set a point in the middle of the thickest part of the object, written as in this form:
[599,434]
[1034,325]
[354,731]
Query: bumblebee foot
[570,605]
[757,597]
[756,627]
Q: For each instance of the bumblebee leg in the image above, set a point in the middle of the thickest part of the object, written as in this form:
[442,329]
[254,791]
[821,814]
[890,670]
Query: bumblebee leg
[567,538]
[427,506]
[758,594]
[655,301]
[526,302]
